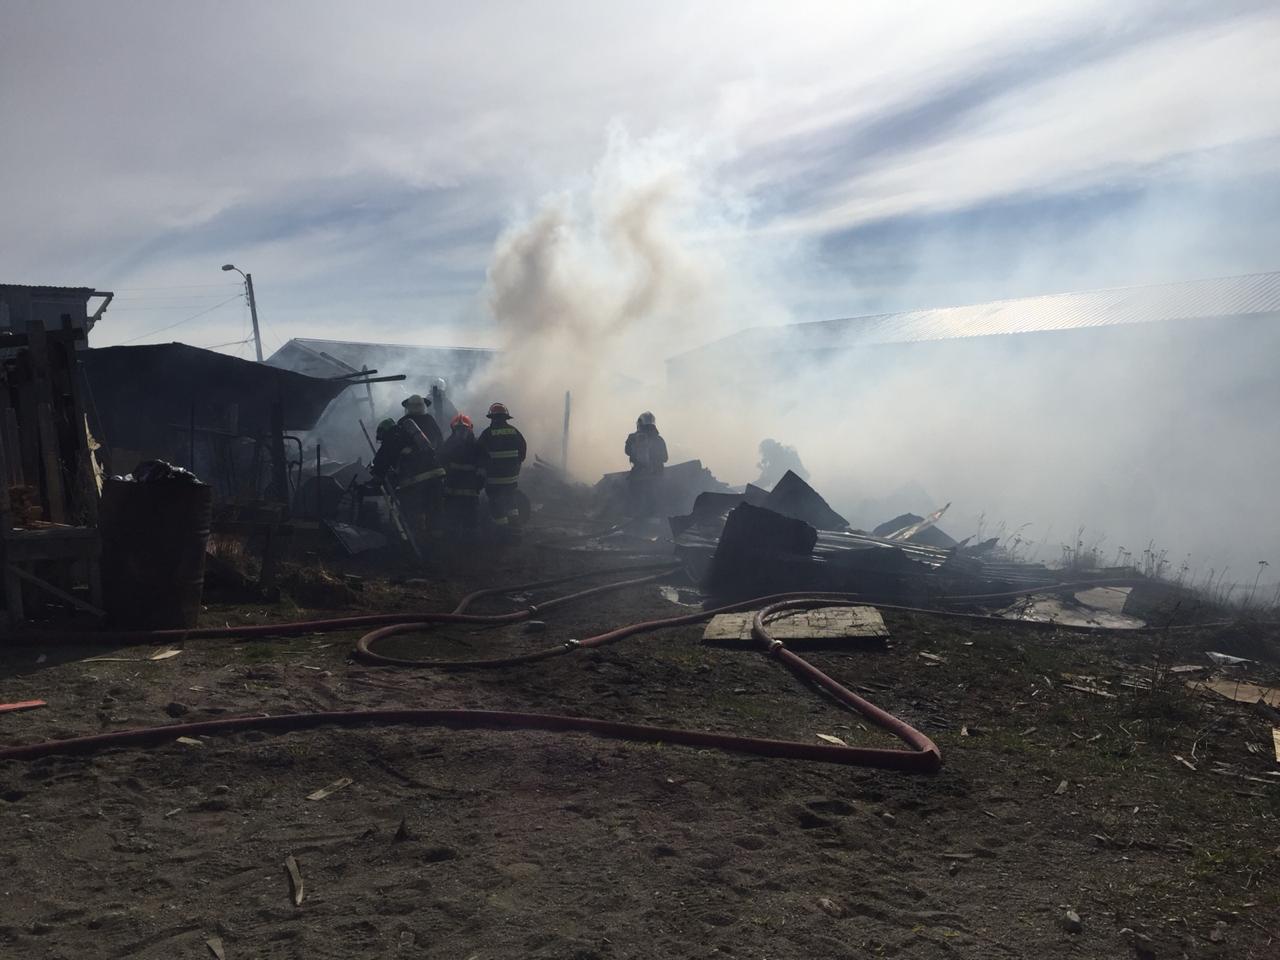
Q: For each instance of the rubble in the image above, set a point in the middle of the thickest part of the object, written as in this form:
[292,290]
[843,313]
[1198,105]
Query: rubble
[930,535]
[681,485]
[759,559]
[792,497]
[760,552]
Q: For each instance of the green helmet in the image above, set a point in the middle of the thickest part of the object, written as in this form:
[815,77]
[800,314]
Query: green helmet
[385,427]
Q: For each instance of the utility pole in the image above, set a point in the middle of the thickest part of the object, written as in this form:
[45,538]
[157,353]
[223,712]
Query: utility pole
[253,306]
[253,312]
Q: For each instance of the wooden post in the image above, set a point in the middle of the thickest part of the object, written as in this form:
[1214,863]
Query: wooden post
[9,436]
[55,494]
[38,358]
[85,475]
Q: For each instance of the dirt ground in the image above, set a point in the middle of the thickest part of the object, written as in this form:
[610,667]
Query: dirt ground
[490,844]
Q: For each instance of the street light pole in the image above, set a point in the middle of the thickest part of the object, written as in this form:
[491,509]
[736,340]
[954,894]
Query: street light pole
[253,306]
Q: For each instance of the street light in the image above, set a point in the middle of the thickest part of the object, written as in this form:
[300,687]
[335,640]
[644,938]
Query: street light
[253,305]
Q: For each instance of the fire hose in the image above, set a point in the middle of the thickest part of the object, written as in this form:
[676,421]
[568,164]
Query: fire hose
[922,757]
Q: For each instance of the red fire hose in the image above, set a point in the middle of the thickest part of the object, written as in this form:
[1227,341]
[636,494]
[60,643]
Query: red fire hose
[923,758]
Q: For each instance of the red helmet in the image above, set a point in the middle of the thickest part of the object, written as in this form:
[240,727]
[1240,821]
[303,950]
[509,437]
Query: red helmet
[498,410]
[460,420]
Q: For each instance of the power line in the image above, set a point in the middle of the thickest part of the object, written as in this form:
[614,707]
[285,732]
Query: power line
[188,286]
[229,343]
[171,307]
[186,298]
[179,323]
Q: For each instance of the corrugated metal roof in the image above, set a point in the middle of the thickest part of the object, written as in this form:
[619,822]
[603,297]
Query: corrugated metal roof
[1251,295]
[327,358]
[367,344]
[86,292]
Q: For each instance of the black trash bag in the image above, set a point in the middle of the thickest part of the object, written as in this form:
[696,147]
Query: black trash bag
[161,471]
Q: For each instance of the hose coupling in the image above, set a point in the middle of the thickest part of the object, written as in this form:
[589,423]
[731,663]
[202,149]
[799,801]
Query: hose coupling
[572,644]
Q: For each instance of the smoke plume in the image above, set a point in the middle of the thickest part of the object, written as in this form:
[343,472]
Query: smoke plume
[594,290]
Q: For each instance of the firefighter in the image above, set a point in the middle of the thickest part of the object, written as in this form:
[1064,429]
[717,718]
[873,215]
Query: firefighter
[406,459]
[464,476]
[647,452]
[415,409]
[442,408]
[503,449]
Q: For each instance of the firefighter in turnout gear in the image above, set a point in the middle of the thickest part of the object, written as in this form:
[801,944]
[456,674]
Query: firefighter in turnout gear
[415,409]
[503,449]
[647,452]
[406,459]
[464,476]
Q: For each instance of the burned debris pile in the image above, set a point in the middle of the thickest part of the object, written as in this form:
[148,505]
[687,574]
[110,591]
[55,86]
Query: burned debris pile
[789,539]
[682,484]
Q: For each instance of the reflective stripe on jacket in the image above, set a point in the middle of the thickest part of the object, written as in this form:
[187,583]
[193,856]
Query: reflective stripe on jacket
[504,449]
[433,474]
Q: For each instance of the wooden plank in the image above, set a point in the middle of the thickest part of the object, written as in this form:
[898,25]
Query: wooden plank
[49,588]
[29,434]
[65,364]
[9,435]
[55,493]
[61,543]
[50,456]
[824,623]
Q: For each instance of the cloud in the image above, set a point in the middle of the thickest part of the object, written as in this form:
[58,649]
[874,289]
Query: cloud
[362,162]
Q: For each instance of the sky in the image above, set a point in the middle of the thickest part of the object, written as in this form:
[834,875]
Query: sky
[365,161]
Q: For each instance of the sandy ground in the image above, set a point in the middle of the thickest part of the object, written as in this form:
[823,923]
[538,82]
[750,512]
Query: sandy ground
[484,844]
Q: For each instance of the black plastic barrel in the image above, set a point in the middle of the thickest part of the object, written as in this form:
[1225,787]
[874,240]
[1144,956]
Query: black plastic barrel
[154,537]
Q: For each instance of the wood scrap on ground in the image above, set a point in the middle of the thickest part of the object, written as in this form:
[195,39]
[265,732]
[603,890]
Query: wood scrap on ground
[330,789]
[825,623]
[1239,691]
[295,880]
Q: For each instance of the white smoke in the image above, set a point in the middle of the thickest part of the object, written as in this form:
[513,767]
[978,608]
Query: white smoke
[595,289]
[1130,437]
